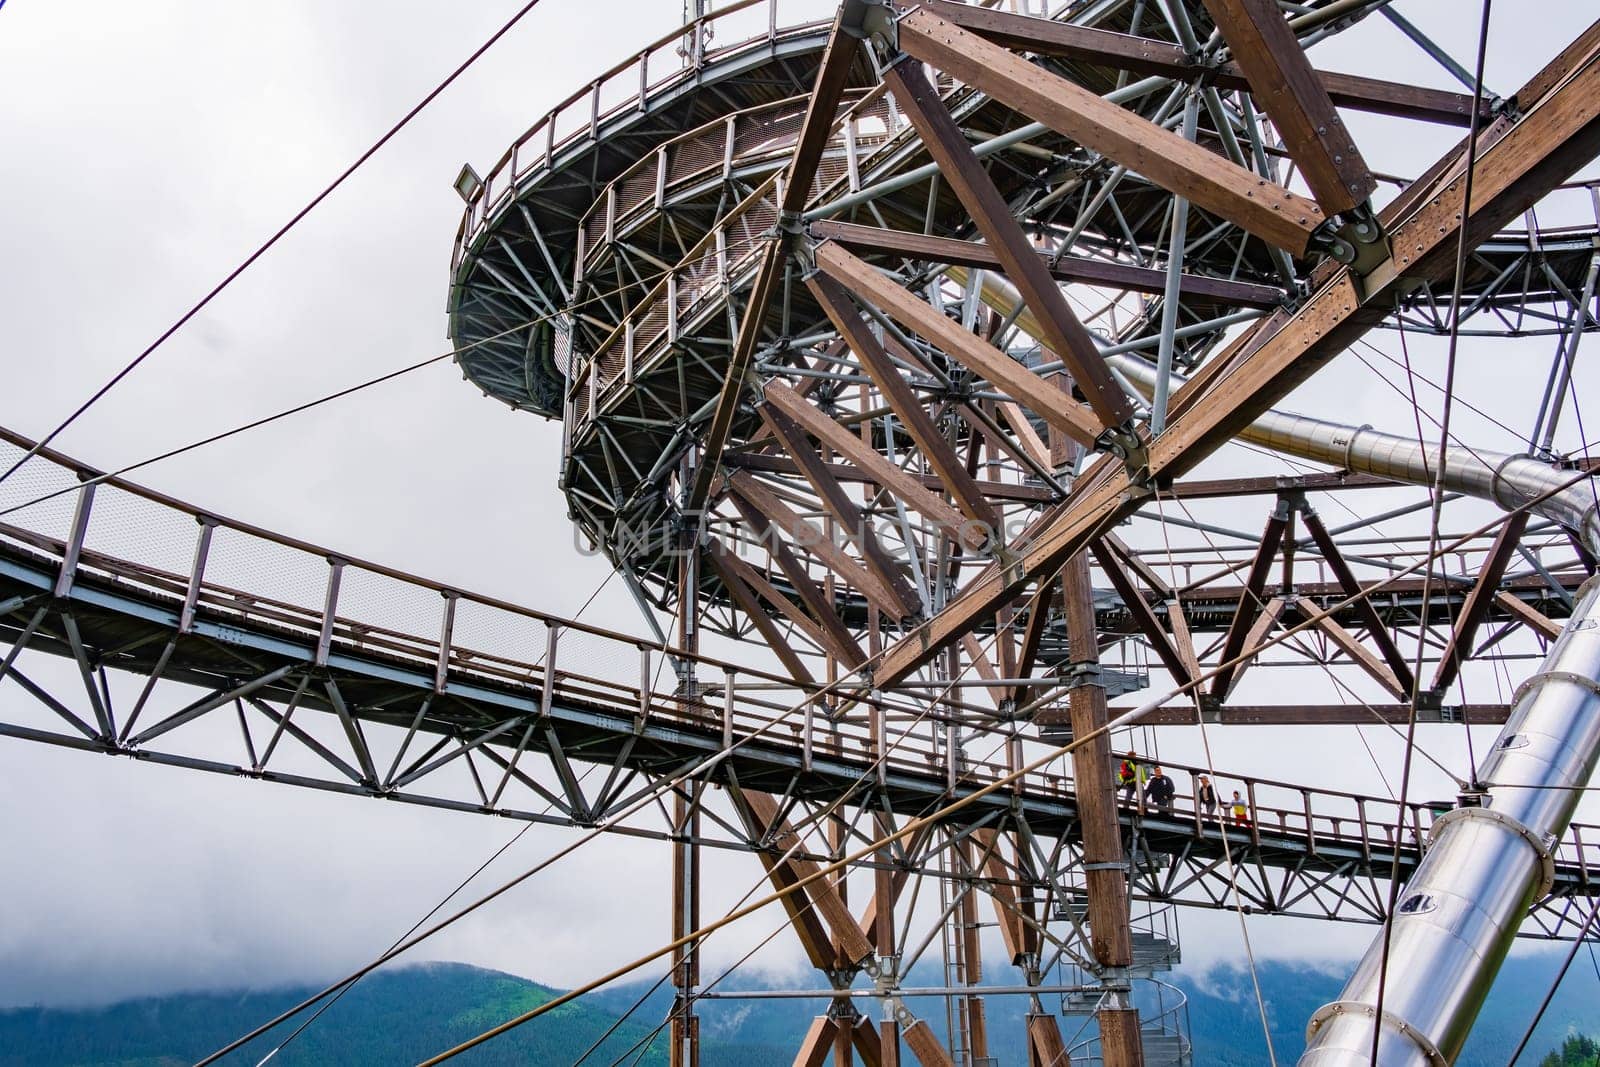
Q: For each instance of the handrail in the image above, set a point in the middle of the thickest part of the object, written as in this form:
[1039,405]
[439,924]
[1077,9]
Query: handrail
[511,167]
[1319,817]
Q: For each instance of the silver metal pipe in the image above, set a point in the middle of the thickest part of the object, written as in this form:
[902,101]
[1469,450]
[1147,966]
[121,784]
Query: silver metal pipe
[1487,865]
[1488,862]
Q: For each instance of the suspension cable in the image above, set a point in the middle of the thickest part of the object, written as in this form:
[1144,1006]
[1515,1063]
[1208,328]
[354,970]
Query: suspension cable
[262,248]
[1438,502]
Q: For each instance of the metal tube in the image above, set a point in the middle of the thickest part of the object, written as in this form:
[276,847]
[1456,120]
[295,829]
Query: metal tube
[1489,862]
[1169,298]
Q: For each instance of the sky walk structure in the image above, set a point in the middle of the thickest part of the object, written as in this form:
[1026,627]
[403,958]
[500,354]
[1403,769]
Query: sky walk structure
[891,346]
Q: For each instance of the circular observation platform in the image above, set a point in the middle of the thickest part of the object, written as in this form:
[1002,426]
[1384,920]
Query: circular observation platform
[631,222]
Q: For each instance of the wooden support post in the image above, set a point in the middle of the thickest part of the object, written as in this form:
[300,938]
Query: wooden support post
[684,1032]
[1104,858]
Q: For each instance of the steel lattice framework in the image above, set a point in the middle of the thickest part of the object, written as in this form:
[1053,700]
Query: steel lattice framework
[865,335]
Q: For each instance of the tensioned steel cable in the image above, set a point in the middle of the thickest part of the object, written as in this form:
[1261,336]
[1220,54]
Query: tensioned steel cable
[262,249]
[336,395]
[1438,503]
[1127,719]
[1550,994]
[448,897]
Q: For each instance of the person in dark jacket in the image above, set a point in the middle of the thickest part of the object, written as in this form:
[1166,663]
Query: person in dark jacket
[1160,791]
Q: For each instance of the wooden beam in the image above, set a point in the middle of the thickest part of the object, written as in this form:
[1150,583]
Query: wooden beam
[1027,437]
[963,172]
[818,1042]
[761,461]
[800,580]
[1044,1037]
[1250,600]
[1479,599]
[1283,83]
[824,892]
[1140,55]
[1271,212]
[1259,631]
[959,344]
[810,538]
[1143,617]
[905,403]
[748,603]
[1557,131]
[924,1045]
[877,469]
[1376,628]
[1535,620]
[852,524]
[757,582]
[1100,272]
[1363,657]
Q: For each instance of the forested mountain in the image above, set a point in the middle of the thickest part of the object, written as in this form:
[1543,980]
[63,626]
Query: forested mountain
[400,1016]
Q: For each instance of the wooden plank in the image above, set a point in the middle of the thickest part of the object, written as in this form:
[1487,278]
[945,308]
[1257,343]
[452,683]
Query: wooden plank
[809,537]
[852,524]
[1083,269]
[962,345]
[963,172]
[899,395]
[1271,212]
[1283,83]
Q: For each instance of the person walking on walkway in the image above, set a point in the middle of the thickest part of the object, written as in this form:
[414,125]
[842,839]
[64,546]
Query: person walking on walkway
[1160,791]
[1131,777]
[1241,811]
[1206,796]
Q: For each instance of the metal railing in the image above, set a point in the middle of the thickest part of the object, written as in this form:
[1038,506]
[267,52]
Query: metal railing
[624,89]
[197,565]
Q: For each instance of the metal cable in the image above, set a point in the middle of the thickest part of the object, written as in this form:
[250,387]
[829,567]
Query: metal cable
[282,230]
[1438,503]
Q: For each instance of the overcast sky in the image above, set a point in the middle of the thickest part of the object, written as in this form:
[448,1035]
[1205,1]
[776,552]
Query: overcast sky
[147,148]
